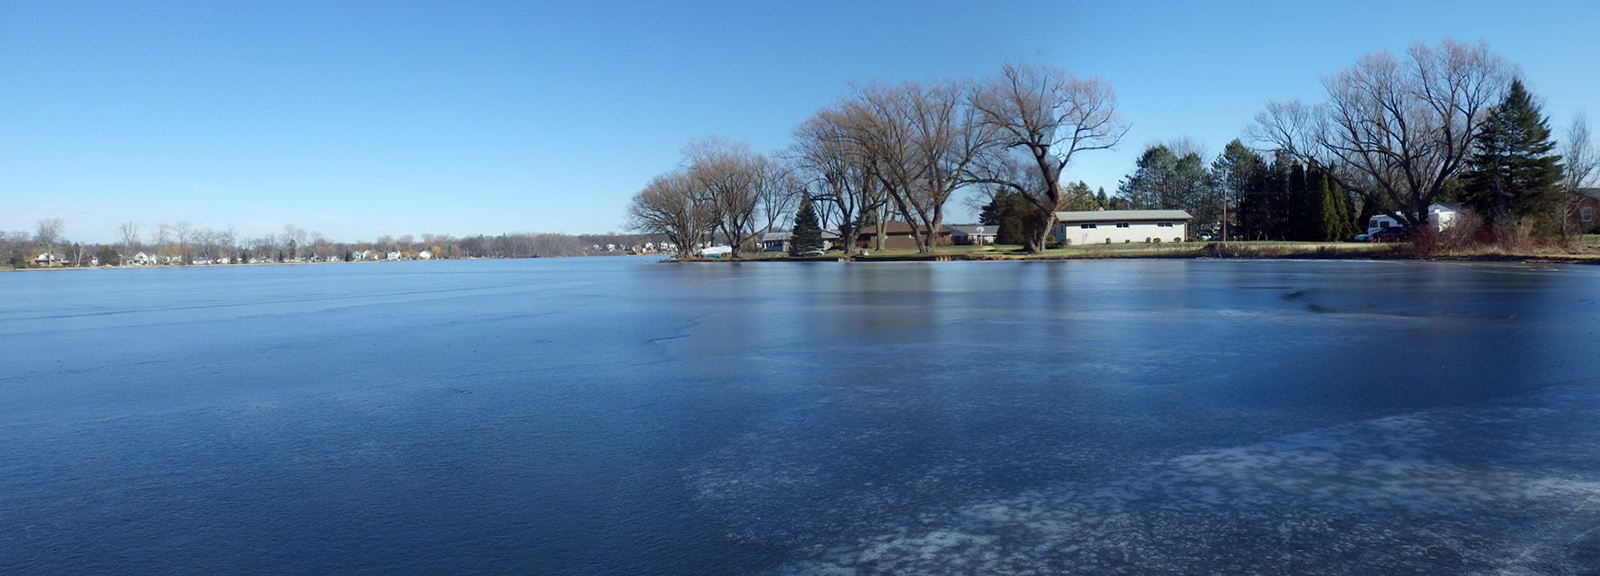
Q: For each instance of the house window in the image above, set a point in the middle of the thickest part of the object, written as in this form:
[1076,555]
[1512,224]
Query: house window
[1163,225]
[1586,214]
[1122,224]
[1087,226]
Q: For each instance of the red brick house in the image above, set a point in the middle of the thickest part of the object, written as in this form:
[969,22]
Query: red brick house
[898,235]
[1585,215]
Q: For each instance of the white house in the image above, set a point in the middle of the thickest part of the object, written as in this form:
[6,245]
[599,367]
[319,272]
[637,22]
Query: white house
[425,255]
[1121,226]
[392,256]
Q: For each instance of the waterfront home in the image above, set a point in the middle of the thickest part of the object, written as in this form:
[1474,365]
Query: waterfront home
[778,240]
[49,260]
[1121,226]
[898,235]
[1584,218]
[973,234]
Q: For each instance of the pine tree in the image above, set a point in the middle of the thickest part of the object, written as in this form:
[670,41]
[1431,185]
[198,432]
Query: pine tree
[1018,221]
[990,214]
[1330,217]
[1301,218]
[1232,172]
[807,233]
[1514,172]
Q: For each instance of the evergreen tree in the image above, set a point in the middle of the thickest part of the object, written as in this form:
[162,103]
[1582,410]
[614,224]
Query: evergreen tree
[1081,198]
[1329,224]
[1514,172]
[1019,221]
[990,214]
[807,233]
[108,256]
[1102,202]
[1302,218]
[1232,172]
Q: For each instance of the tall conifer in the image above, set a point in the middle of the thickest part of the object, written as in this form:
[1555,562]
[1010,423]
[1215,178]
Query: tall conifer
[807,233]
[1514,171]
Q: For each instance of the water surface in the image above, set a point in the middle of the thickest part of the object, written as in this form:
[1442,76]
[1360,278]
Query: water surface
[620,416]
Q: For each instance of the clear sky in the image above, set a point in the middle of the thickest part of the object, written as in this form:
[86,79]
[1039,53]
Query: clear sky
[364,119]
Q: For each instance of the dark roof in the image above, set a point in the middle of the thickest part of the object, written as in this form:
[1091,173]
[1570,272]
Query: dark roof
[896,227]
[1121,215]
[1590,192]
[975,229]
[783,235]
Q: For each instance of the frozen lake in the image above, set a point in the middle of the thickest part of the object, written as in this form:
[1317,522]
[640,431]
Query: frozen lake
[619,416]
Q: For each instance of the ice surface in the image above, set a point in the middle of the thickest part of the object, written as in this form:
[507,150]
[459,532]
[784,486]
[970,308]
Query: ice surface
[620,416]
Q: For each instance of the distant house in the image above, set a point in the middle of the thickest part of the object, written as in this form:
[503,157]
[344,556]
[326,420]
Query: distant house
[49,260]
[973,234]
[425,255]
[1121,226]
[778,240]
[1585,217]
[898,235]
[142,259]
[392,256]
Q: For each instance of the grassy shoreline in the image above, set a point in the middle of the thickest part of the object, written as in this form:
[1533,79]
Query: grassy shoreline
[1585,252]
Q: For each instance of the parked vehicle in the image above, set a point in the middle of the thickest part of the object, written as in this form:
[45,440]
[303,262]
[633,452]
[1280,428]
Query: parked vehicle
[812,253]
[1390,234]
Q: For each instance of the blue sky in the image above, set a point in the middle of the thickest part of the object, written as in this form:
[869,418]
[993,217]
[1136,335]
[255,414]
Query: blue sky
[364,119]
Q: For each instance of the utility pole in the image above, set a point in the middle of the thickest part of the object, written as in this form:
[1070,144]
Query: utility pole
[1224,212]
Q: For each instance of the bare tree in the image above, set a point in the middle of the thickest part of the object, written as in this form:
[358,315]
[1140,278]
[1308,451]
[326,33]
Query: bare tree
[230,242]
[161,238]
[726,176]
[128,232]
[923,141]
[778,191]
[1049,115]
[837,169]
[184,234]
[670,205]
[48,232]
[1395,132]
[1581,160]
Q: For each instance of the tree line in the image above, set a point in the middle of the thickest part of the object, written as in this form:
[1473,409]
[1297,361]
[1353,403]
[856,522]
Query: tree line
[1449,123]
[892,152]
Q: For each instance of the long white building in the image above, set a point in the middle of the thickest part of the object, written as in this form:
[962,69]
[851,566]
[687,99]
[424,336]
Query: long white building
[1121,226]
